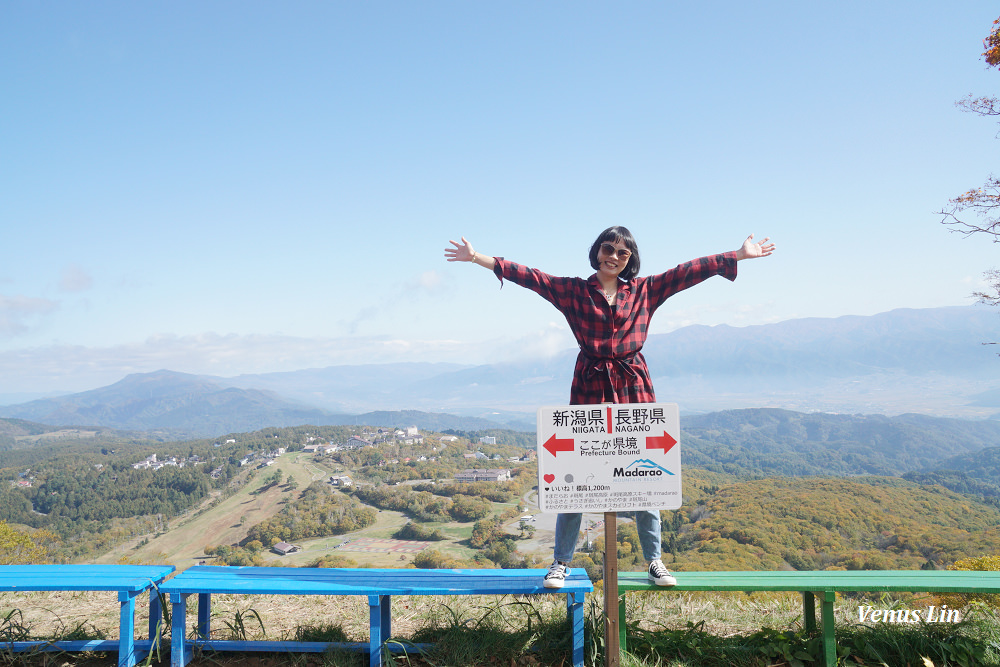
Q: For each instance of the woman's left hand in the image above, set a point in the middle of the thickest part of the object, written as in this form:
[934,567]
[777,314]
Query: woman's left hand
[751,249]
[462,252]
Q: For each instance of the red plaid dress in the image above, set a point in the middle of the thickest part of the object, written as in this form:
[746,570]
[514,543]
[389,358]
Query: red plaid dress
[610,367]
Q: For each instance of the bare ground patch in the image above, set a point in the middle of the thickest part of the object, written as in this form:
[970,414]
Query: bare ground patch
[227,523]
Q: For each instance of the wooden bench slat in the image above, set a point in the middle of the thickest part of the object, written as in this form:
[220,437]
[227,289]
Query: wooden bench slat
[127,580]
[824,584]
[362,581]
[917,581]
[279,646]
[379,585]
[132,578]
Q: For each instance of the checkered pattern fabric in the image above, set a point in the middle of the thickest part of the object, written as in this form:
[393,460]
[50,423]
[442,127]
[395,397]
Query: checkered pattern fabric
[610,367]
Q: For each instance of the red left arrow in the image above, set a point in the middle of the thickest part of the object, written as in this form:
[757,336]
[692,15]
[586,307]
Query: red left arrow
[554,444]
[664,442]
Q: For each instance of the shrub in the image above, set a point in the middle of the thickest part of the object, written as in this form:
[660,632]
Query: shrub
[22,548]
[431,559]
[978,564]
[414,531]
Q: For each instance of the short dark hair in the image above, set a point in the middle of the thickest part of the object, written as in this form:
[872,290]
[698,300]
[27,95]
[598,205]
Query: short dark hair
[614,235]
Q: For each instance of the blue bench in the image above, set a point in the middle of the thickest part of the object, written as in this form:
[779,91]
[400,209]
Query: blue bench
[378,585]
[129,581]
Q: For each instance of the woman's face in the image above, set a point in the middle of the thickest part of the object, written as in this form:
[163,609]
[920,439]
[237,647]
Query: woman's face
[612,258]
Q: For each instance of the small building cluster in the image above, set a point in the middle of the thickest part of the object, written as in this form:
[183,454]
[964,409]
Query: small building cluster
[329,448]
[488,475]
[262,458]
[410,436]
[152,463]
[368,438]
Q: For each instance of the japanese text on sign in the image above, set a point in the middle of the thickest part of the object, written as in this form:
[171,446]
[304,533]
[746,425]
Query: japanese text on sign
[609,457]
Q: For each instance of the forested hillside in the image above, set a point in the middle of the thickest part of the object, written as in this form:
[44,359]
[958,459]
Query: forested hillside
[82,484]
[769,441]
[818,523]
[812,523]
[977,473]
[763,489]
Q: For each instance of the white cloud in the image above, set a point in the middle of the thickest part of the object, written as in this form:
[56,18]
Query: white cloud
[77,368]
[402,296]
[75,279]
[17,313]
[543,343]
[431,281]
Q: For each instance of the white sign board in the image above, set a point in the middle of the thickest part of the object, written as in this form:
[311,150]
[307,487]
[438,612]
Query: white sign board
[609,458]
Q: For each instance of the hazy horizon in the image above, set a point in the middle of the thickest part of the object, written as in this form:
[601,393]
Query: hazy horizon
[929,361]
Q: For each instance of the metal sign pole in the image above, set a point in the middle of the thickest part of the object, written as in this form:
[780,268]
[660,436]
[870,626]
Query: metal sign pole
[611,629]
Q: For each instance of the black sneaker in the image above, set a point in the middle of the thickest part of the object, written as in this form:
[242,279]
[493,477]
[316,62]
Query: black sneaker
[659,574]
[556,576]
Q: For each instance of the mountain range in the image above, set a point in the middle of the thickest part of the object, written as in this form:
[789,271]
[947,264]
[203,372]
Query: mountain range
[928,361]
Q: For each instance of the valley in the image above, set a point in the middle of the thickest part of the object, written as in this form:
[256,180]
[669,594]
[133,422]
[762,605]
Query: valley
[841,492]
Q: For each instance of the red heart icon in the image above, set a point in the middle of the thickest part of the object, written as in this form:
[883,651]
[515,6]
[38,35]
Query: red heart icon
[549,478]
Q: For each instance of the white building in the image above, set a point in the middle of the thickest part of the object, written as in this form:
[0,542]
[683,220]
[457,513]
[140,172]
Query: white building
[479,475]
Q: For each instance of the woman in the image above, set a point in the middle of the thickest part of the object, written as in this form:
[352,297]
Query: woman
[609,315]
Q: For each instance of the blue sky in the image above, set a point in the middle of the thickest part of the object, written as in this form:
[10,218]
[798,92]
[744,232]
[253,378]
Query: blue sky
[239,187]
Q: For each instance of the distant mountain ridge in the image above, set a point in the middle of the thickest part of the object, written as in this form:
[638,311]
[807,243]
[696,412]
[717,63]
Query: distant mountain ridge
[165,400]
[182,405]
[929,361]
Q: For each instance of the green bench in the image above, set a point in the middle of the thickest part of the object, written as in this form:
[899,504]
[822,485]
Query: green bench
[130,581]
[378,585]
[822,584]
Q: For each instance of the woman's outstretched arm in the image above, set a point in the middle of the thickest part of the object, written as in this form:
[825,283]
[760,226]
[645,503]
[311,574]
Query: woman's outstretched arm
[464,252]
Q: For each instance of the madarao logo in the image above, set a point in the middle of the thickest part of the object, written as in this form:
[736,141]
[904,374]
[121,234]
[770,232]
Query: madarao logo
[641,468]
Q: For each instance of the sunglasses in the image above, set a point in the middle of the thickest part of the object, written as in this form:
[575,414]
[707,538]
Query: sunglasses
[611,251]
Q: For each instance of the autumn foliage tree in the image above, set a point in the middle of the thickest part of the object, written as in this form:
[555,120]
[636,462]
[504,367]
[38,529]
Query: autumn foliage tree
[977,211]
[23,548]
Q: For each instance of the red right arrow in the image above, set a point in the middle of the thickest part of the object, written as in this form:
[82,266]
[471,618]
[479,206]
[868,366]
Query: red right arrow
[664,442]
[554,444]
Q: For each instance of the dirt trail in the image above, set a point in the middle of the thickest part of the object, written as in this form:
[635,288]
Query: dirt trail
[183,545]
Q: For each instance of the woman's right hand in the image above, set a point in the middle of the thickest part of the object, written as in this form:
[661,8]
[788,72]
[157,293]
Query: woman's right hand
[462,252]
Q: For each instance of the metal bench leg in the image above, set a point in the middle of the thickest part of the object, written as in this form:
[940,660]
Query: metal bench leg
[380,626]
[574,614]
[180,649]
[126,629]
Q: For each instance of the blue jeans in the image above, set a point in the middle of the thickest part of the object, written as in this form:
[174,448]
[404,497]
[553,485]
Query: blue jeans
[647,523]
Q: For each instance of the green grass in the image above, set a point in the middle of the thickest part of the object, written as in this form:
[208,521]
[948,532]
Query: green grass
[678,629]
